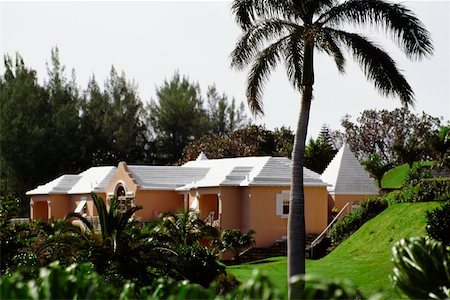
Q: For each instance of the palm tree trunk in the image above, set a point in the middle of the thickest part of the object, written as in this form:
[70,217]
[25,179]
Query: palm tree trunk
[296,222]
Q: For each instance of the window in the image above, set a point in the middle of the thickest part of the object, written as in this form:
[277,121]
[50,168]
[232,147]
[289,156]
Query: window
[282,204]
[285,207]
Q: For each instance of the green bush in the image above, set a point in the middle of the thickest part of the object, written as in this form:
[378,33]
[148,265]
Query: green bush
[438,223]
[368,209]
[434,189]
[57,282]
[421,268]
[407,195]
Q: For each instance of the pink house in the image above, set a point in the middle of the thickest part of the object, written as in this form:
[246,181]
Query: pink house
[231,193]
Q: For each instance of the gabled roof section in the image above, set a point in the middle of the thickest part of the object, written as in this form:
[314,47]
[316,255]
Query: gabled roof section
[60,185]
[93,179]
[348,176]
[225,171]
[277,171]
[165,178]
[249,171]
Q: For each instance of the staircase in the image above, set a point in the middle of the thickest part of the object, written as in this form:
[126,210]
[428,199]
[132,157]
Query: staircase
[277,249]
[252,254]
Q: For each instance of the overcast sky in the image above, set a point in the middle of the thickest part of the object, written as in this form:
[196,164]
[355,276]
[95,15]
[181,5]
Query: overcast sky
[150,40]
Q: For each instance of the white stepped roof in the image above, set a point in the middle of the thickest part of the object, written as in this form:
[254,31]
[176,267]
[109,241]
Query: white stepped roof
[93,179]
[59,185]
[249,171]
[348,176]
[165,177]
[240,171]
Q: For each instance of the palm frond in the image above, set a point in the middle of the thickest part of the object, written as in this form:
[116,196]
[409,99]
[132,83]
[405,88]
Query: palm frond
[377,65]
[308,8]
[264,62]
[256,37]
[126,216]
[248,12]
[293,58]
[328,43]
[407,30]
[81,218]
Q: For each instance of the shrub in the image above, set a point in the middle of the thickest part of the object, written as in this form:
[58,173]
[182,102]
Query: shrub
[416,174]
[368,209]
[236,241]
[421,268]
[407,195]
[318,287]
[56,282]
[434,189]
[438,223]
[196,263]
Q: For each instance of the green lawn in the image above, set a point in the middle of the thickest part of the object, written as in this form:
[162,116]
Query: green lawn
[394,178]
[364,258]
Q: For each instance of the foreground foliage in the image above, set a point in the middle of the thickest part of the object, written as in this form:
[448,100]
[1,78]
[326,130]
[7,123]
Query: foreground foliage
[422,268]
[82,282]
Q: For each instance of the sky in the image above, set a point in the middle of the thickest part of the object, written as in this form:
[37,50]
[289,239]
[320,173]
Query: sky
[150,41]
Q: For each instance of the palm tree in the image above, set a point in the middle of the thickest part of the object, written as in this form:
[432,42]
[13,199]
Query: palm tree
[112,221]
[290,31]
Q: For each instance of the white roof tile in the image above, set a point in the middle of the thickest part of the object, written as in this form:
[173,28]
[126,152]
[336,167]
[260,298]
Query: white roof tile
[165,177]
[348,176]
[249,171]
[93,179]
[240,171]
[59,185]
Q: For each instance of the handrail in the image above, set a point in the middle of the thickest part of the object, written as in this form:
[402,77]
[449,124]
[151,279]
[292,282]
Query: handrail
[316,241]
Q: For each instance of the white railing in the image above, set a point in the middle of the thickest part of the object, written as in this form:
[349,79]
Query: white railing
[19,220]
[325,231]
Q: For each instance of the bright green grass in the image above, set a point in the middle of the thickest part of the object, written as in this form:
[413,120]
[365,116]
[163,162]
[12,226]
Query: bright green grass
[364,258]
[394,178]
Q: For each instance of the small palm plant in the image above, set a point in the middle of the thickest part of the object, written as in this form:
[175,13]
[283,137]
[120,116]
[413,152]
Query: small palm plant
[112,221]
[185,228]
[236,241]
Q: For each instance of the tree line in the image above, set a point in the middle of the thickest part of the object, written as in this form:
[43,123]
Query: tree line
[56,127]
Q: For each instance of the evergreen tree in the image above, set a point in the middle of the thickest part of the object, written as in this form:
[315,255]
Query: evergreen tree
[25,124]
[177,118]
[113,122]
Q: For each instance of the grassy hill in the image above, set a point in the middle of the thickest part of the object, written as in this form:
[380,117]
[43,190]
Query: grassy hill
[394,178]
[364,258]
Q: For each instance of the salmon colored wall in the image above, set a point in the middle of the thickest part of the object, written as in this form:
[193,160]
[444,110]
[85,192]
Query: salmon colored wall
[231,217]
[269,227]
[263,218]
[60,206]
[316,209]
[124,175]
[155,202]
[246,216]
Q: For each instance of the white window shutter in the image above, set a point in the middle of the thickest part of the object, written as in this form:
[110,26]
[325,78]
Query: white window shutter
[279,204]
